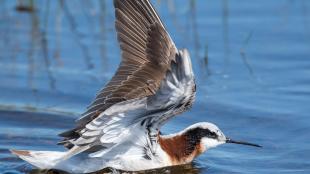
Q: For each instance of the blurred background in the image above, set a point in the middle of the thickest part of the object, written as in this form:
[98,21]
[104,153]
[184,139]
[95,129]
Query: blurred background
[251,60]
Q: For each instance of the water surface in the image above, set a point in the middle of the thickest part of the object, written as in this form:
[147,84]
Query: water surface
[251,59]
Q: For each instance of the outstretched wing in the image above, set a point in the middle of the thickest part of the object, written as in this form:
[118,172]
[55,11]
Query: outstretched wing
[136,122]
[147,52]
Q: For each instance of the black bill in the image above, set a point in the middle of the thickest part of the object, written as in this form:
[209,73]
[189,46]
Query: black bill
[228,140]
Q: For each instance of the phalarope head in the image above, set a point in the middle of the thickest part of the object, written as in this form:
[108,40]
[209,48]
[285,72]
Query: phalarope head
[211,136]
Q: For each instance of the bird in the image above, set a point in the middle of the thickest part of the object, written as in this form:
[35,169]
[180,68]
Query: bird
[120,129]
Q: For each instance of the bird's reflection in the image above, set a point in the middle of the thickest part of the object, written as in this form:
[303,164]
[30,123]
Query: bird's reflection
[185,169]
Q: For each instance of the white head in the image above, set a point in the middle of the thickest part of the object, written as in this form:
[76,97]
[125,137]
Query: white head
[210,135]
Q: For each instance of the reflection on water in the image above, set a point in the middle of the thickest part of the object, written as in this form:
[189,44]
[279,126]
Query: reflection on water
[188,168]
[225,19]
[251,59]
[243,53]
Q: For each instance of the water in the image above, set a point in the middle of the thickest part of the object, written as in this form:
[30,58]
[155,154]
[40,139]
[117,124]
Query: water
[251,59]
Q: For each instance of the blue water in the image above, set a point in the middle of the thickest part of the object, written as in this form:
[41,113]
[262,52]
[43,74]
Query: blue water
[251,59]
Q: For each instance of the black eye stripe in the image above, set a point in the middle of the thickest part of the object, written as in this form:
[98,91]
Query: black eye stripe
[209,134]
[200,133]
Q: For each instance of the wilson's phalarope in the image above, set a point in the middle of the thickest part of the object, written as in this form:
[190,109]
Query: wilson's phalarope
[120,129]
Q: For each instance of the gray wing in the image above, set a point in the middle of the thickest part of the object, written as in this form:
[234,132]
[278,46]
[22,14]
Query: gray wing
[147,52]
[138,120]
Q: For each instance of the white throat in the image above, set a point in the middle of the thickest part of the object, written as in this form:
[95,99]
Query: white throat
[209,143]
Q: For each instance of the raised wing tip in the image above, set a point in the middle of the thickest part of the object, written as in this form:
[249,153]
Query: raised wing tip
[184,51]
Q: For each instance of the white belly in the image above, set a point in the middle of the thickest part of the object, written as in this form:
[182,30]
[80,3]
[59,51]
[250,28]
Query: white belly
[127,155]
[133,160]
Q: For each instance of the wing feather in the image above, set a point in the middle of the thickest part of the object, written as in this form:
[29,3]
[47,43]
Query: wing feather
[116,124]
[147,51]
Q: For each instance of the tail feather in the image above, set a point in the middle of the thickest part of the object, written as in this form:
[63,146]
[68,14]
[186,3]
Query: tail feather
[63,161]
[40,159]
